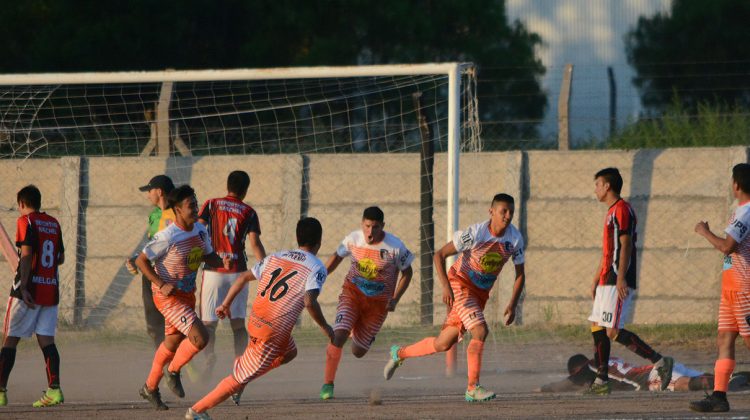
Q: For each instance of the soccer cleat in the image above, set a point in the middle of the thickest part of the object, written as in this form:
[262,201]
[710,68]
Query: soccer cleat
[3,397]
[326,392]
[665,372]
[479,394]
[393,363]
[598,389]
[192,415]
[236,396]
[175,383]
[709,404]
[52,396]
[154,397]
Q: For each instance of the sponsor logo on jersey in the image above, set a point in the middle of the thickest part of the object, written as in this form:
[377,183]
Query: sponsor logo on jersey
[367,268]
[727,262]
[491,262]
[385,255]
[482,280]
[194,258]
[369,288]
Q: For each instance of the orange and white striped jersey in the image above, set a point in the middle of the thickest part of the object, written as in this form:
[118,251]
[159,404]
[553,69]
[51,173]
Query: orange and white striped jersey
[736,272]
[177,254]
[283,280]
[481,255]
[374,270]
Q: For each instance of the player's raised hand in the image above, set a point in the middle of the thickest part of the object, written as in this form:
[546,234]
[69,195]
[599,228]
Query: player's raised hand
[28,299]
[510,314]
[130,266]
[448,296]
[166,289]
[222,311]
[702,227]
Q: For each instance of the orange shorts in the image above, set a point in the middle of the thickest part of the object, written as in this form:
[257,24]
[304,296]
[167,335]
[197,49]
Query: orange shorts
[467,311]
[361,316]
[734,312]
[259,355]
[178,310]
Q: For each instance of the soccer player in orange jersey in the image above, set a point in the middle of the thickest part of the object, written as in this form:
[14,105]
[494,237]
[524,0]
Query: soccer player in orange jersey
[176,253]
[734,307]
[370,290]
[288,281]
[32,306]
[483,249]
[229,222]
[614,285]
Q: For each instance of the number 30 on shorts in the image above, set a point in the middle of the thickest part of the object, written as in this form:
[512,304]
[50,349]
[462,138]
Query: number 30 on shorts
[606,316]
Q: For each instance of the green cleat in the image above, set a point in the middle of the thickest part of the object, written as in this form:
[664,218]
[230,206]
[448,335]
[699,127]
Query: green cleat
[598,389]
[53,396]
[326,392]
[393,363]
[237,396]
[3,397]
[479,394]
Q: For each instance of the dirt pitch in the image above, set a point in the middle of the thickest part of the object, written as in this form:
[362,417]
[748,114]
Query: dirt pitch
[102,381]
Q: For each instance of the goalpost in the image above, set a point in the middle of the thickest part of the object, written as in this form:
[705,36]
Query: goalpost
[116,130]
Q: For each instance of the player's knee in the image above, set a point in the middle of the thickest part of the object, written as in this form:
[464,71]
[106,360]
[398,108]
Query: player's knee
[358,351]
[442,346]
[479,332]
[199,336]
[339,337]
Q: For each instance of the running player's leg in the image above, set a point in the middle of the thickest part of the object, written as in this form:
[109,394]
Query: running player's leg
[195,341]
[367,327]
[19,322]
[347,315]
[239,313]
[602,317]
[154,318]
[46,328]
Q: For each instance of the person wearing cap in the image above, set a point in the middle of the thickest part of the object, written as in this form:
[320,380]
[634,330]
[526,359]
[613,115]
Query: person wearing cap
[160,217]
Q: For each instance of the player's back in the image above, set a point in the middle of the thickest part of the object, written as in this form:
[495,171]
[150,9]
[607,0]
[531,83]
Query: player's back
[736,270]
[229,220]
[283,280]
[43,233]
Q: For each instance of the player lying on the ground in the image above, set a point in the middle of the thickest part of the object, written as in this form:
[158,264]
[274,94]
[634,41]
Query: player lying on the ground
[483,249]
[627,377]
[176,253]
[287,282]
[370,290]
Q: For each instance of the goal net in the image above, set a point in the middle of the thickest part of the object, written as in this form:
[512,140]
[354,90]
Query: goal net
[322,142]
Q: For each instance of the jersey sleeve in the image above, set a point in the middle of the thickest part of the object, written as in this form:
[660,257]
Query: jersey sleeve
[343,249]
[24,232]
[257,269]
[157,247]
[738,226]
[316,279]
[405,257]
[465,239]
[253,223]
[518,251]
[624,220]
[205,212]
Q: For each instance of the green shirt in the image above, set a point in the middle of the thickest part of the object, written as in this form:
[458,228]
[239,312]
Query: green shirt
[158,220]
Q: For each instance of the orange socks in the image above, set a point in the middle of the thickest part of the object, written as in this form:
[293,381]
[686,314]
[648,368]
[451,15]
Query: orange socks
[333,357]
[420,348]
[161,358]
[722,371]
[223,390]
[184,353]
[474,358]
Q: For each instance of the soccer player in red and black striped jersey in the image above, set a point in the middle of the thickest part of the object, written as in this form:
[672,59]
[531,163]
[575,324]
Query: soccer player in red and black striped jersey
[614,285]
[229,222]
[32,307]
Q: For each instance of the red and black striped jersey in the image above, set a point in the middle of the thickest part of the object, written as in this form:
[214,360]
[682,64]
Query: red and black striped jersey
[620,220]
[43,234]
[229,220]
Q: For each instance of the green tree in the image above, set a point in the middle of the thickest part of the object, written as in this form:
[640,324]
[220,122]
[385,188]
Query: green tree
[699,51]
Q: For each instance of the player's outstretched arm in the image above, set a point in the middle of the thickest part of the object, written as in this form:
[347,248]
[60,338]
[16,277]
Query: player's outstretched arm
[439,259]
[510,310]
[403,284]
[256,245]
[333,262]
[313,308]
[222,311]
[725,245]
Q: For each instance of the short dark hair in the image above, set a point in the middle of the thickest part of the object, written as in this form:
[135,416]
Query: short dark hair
[30,197]
[741,175]
[309,232]
[578,370]
[373,213]
[238,182]
[503,198]
[178,194]
[612,177]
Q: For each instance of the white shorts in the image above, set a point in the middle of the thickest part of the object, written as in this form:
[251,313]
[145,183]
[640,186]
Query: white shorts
[214,288]
[20,321]
[609,311]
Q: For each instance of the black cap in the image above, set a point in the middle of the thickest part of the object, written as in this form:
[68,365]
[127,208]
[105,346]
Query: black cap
[162,182]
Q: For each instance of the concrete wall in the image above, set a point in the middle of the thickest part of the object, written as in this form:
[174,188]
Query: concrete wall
[98,202]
